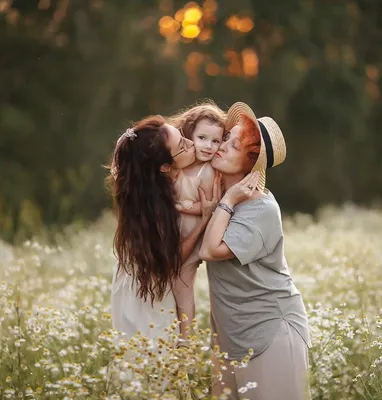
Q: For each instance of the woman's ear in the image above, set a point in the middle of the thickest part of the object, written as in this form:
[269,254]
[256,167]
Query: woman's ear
[165,168]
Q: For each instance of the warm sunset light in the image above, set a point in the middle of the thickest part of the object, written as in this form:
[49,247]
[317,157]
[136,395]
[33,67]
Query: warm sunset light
[43,4]
[205,35]
[168,26]
[193,15]
[245,25]
[250,62]
[179,15]
[126,129]
[233,22]
[212,69]
[166,22]
[372,72]
[190,31]
[5,5]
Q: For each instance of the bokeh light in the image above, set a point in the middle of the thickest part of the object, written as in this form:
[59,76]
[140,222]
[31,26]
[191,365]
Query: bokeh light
[233,22]
[168,26]
[372,72]
[190,31]
[44,4]
[5,5]
[250,62]
[243,25]
[193,15]
[212,69]
[179,15]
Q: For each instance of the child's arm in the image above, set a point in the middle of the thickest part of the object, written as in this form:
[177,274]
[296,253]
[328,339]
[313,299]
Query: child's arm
[207,181]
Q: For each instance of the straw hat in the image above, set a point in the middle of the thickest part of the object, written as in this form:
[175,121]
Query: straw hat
[272,149]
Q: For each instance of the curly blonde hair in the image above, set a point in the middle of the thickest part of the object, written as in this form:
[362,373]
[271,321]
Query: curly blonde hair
[188,118]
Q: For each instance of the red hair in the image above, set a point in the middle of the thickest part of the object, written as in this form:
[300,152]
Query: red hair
[250,138]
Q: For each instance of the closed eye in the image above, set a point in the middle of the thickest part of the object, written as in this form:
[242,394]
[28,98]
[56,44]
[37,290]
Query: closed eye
[226,136]
[236,144]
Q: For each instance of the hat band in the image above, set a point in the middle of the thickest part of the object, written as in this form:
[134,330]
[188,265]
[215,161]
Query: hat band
[268,145]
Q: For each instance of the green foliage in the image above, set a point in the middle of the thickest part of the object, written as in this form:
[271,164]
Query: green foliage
[72,79]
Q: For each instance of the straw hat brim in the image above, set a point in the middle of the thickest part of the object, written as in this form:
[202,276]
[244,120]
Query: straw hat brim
[275,138]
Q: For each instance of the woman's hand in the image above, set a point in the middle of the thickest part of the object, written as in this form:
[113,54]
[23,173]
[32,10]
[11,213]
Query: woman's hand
[206,208]
[242,190]
[184,205]
[209,206]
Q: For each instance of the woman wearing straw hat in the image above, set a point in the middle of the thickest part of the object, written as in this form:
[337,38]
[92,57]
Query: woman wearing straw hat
[256,310]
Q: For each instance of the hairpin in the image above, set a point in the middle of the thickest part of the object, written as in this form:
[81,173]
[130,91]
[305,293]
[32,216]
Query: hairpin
[130,134]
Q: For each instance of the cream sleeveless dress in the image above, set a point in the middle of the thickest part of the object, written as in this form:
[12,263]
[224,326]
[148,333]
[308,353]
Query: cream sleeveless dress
[131,314]
[187,190]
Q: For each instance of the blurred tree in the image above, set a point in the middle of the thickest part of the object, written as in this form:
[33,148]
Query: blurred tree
[73,74]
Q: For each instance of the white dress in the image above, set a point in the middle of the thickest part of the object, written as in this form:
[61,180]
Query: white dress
[131,314]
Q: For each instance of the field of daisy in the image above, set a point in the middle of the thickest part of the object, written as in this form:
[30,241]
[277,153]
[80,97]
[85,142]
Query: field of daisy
[56,340]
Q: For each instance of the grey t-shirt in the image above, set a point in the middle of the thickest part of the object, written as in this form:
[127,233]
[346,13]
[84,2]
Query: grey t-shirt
[252,293]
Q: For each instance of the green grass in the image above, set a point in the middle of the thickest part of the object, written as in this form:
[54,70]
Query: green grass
[56,340]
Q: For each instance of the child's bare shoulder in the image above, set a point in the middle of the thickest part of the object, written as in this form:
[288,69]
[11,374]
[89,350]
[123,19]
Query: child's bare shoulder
[208,174]
[208,170]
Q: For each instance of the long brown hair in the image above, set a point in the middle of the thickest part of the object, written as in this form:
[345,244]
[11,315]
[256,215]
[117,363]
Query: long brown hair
[189,118]
[147,239]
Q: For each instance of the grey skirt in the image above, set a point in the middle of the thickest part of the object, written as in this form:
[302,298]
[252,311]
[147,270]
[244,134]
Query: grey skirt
[279,373]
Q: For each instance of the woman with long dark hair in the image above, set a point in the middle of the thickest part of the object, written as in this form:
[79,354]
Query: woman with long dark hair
[147,161]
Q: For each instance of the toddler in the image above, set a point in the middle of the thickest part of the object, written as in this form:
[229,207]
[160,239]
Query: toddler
[204,125]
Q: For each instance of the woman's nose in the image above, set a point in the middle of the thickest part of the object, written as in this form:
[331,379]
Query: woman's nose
[223,146]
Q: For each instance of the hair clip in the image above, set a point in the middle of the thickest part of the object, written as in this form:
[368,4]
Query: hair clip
[130,134]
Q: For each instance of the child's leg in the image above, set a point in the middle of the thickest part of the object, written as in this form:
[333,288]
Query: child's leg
[184,297]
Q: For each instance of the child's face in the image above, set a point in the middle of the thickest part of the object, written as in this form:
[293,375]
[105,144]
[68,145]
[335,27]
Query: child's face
[207,138]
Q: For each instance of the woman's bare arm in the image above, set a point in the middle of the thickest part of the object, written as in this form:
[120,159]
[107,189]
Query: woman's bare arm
[213,248]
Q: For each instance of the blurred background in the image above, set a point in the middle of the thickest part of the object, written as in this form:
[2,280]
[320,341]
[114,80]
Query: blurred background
[75,73]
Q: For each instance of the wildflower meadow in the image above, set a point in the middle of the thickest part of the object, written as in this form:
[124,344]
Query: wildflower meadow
[57,342]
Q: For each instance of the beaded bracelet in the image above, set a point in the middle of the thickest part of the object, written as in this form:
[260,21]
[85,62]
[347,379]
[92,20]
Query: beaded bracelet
[226,208]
